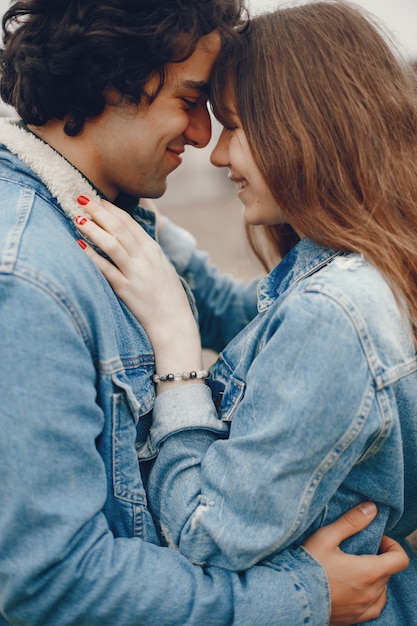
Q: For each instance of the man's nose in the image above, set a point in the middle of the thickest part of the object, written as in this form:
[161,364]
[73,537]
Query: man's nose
[198,132]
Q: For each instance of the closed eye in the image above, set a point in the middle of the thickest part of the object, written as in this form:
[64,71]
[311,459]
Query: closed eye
[190,104]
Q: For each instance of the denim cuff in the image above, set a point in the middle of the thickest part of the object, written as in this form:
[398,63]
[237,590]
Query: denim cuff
[177,243]
[312,579]
[184,407]
[295,591]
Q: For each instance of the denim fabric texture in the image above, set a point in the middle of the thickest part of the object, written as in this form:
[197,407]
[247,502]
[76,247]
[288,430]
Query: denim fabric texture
[320,391]
[78,545]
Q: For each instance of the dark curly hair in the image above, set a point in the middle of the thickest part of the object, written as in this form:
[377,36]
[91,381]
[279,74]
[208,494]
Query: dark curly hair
[61,56]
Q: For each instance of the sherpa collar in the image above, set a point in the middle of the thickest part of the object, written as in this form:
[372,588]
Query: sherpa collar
[61,178]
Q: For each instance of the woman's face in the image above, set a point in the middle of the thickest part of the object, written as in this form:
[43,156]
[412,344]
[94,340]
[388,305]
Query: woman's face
[233,151]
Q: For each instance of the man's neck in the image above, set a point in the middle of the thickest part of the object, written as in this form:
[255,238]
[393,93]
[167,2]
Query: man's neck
[77,150]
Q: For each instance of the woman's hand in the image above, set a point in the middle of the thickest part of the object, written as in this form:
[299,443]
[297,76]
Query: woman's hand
[357,583]
[146,281]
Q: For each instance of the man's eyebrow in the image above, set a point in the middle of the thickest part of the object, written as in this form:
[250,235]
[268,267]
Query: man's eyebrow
[196,85]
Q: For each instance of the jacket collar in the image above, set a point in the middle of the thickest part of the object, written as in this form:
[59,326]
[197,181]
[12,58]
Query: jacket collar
[306,258]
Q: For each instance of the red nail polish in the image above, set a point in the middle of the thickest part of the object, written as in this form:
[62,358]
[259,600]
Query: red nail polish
[82,244]
[83,200]
[80,219]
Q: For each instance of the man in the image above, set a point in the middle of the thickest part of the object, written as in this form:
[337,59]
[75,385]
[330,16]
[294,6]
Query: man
[109,94]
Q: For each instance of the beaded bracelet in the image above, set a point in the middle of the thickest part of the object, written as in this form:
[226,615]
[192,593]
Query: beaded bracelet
[162,378]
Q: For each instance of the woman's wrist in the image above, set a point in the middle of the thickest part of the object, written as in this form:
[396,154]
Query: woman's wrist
[186,375]
[178,355]
[163,382]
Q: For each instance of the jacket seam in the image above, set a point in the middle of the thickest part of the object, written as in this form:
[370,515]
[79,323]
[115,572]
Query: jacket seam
[55,294]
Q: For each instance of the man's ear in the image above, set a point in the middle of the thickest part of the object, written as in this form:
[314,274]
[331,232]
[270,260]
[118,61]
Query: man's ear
[113,96]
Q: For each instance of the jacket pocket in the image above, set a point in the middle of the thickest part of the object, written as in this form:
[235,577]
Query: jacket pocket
[227,390]
[131,417]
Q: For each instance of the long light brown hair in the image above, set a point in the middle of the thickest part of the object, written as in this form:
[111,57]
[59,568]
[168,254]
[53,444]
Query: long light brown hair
[330,112]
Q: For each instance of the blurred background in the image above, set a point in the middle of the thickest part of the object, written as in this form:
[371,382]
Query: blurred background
[199,196]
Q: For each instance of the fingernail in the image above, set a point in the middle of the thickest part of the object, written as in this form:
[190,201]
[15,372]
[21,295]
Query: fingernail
[82,244]
[83,200]
[80,219]
[368,508]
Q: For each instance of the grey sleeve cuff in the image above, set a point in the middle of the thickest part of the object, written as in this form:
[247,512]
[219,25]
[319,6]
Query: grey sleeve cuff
[184,407]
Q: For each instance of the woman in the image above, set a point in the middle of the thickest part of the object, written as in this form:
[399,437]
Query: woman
[320,389]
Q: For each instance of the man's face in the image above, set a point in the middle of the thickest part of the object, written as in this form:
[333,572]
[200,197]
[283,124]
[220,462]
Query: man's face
[133,149]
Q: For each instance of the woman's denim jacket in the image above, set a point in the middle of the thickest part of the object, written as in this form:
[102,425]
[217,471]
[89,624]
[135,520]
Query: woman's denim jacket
[77,543]
[320,391]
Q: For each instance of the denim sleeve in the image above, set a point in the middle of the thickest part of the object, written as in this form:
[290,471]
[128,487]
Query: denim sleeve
[225,305]
[59,563]
[294,437]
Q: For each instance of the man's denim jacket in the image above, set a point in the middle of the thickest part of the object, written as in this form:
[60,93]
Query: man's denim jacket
[77,543]
[320,391]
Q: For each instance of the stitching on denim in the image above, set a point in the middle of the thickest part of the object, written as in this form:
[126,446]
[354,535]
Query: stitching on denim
[11,250]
